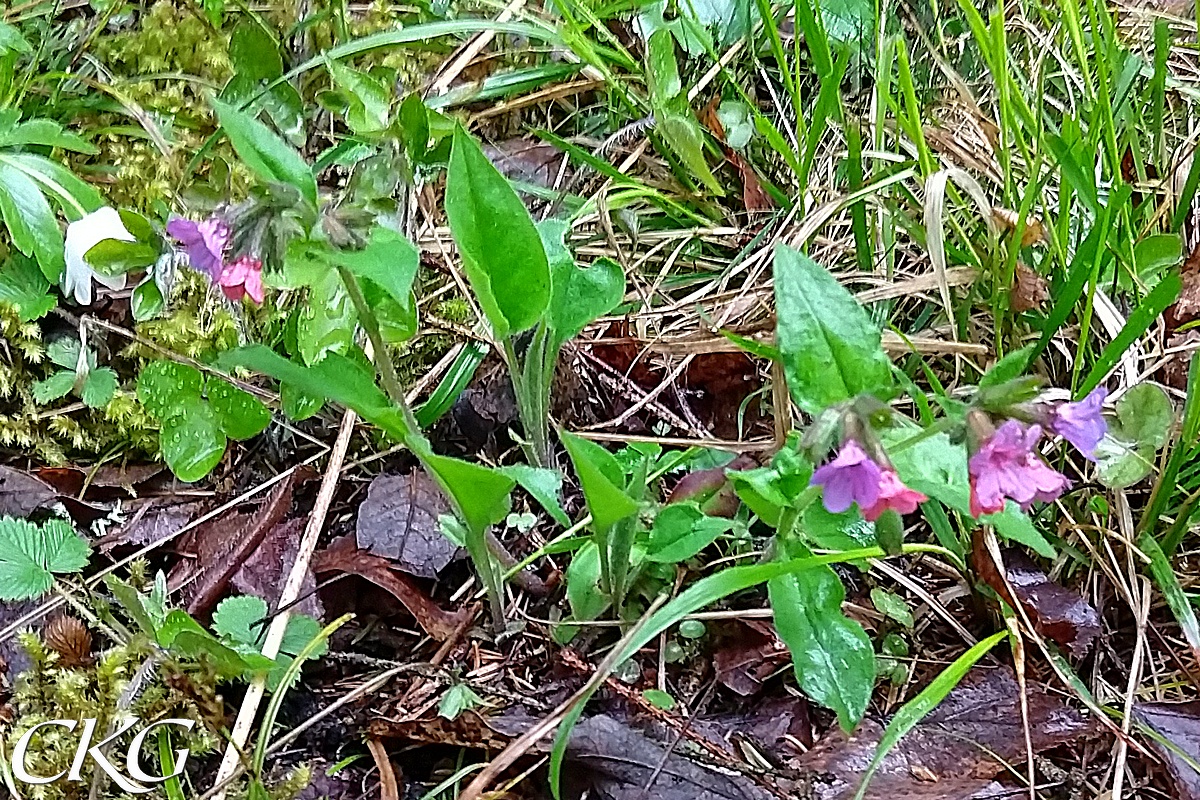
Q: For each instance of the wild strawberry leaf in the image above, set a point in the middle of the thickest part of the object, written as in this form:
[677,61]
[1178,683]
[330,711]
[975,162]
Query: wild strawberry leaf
[30,556]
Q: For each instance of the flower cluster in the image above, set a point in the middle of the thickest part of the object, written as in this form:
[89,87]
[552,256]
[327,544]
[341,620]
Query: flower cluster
[206,244]
[1004,463]
[856,478]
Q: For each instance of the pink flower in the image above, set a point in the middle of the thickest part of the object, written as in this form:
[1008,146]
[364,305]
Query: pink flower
[1006,466]
[894,495]
[853,477]
[205,243]
[1081,423]
[241,278]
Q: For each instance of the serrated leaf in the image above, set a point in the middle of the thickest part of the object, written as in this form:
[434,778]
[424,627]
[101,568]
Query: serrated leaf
[30,556]
[240,620]
[99,387]
[56,386]
[25,288]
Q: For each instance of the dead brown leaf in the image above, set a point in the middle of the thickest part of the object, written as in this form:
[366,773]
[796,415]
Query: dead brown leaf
[399,520]
[265,570]
[1029,290]
[1007,220]
[528,161]
[954,752]
[21,493]
[343,555]
[153,521]
[1057,613]
[749,657]
[219,548]
[1178,723]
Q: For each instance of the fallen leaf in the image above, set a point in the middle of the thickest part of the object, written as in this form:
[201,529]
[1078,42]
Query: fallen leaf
[343,555]
[527,161]
[263,573]
[1057,613]
[1029,290]
[615,762]
[221,546]
[1181,345]
[21,493]
[399,520]
[1007,219]
[153,521]
[1178,723]
[754,197]
[953,753]
[773,726]
[749,657]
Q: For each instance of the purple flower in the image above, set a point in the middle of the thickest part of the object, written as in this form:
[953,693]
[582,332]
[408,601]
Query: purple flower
[1006,466]
[204,241]
[1080,423]
[850,478]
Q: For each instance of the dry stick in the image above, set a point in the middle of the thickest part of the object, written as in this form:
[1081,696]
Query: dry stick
[291,590]
[472,49]
[389,789]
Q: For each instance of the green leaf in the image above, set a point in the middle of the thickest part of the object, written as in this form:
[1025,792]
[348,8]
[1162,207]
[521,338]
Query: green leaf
[602,481]
[892,605]
[662,70]
[99,388]
[684,135]
[56,386]
[130,601]
[501,250]
[335,378]
[1145,416]
[457,699]
[832,654]
[481,493]
[369,107]
[265,153]
[46,133]
[327,321]
[1009,368]
[544,485]
[191,440]
[182,634]
[831,348]
[254,52]
[74,196]
[241,620]
[30,556]
[583,584]
[849,23]
[916,709]
[297,404]
[241,415]
[31,222]
[115,257]
[578,296]
[1120,464]
[147,301]
[11,40]
[681,530]
[25,288]
[659,699]
[163,386]
[389,261]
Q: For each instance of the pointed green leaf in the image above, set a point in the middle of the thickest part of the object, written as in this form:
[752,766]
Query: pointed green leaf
[265,153]
[602,481]
[31,222]
[481,493]
[579,296]
[501,250]
[831,348]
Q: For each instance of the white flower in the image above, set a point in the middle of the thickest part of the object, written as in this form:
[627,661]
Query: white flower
[83,235]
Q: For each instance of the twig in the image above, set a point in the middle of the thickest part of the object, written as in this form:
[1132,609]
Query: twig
[291,590]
